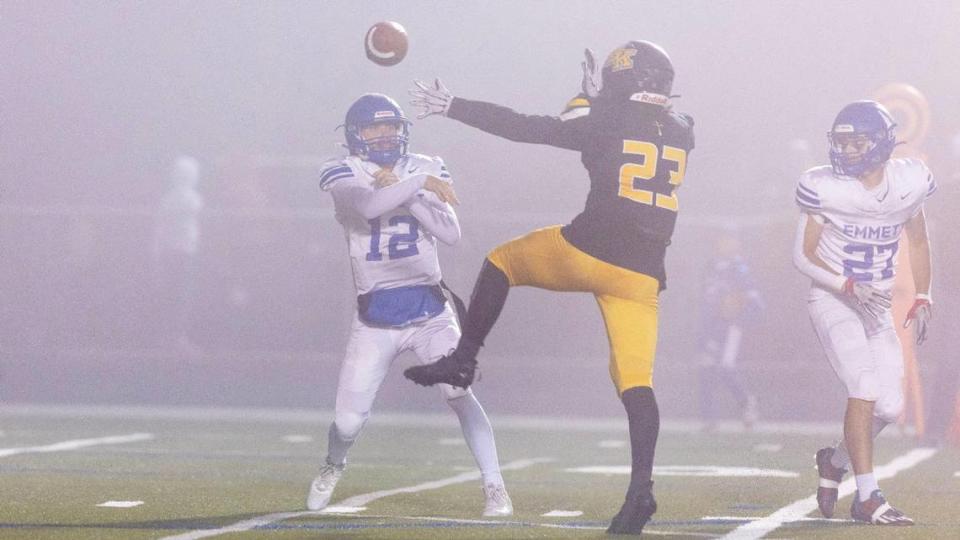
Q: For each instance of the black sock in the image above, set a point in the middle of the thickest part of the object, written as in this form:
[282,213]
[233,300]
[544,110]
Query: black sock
[486,302]
[644,419]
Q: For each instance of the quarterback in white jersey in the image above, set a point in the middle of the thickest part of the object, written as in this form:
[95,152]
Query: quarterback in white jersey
[854,213]
[394,207]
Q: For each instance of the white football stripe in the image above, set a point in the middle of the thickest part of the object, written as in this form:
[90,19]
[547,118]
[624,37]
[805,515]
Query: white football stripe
[356,501]
[120,504]
[562,513]
[373,50]
[798,509]
[689,470]
[76,444]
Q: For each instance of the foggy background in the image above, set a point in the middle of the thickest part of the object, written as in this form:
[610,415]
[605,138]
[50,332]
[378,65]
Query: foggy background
[98,99]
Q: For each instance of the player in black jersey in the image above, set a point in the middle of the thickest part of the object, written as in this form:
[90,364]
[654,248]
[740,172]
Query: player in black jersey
[635,149]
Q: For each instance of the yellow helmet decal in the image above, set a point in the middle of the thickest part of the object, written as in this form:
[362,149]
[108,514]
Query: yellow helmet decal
[620,59]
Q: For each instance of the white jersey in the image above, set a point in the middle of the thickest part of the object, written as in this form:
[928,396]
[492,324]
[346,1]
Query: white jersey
[391,249]
[862,227]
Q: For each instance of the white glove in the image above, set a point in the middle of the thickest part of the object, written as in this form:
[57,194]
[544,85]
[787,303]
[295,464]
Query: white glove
[921,312]
[432,100]
[869,299]
[592,76]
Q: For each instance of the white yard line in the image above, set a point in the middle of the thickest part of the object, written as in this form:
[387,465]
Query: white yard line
[357,500]
[76,444]
[799,509]
[314,416]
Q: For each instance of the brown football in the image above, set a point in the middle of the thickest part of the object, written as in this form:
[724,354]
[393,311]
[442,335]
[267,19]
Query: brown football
[386,43]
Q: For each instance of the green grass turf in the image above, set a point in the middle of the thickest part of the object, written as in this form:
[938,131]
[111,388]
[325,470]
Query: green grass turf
[204,474]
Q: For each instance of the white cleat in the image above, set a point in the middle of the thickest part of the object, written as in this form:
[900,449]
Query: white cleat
[498,501]
[322,486]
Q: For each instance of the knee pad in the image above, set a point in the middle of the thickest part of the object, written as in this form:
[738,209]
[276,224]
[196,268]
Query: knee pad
[349,424]
[889,407]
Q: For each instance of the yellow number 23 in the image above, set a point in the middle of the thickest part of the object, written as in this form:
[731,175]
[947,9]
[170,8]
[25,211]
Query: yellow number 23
[647,169]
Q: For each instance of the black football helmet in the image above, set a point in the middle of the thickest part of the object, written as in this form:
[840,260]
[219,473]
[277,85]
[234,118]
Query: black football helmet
[638,71]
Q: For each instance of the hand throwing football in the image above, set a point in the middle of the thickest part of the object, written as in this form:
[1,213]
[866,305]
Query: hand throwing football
[386,43]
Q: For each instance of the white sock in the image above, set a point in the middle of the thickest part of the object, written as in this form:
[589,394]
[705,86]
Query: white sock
[479,436]
[866,484]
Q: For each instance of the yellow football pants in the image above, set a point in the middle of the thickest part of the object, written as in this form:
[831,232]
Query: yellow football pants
[627,299]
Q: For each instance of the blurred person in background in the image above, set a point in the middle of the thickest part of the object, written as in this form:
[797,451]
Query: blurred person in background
[394,207]
[853,213]
[634,147]
[729,302]
[175,243]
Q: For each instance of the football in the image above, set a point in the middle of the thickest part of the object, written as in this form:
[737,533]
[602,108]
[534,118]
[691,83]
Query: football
[386,43]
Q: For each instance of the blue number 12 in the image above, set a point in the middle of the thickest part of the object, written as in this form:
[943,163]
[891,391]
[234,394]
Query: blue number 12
[400,244]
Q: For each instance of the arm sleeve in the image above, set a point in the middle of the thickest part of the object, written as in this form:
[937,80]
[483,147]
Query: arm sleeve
[509,124]
[436,217]
[810,269]
[370,202]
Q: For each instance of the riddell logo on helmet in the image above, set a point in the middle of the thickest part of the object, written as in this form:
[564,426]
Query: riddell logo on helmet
[843,128]
[653,99]
[384,114]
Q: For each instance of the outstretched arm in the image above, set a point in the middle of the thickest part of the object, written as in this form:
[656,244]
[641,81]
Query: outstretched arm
[496,119]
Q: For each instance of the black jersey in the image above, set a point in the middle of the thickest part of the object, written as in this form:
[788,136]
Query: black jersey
[636,156]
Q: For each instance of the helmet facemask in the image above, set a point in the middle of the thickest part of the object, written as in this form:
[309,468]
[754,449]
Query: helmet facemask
[384,149]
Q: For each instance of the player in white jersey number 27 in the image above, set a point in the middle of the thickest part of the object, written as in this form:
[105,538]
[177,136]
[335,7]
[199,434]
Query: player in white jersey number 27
[853,214]
[394,206]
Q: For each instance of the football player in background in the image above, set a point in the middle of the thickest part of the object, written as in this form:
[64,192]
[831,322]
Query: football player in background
[176,238]
[394,206]
[635,150]
[729,301]
[852,216]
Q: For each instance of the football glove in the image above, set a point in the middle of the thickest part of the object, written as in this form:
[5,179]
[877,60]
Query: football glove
[592,77]
[869,299]
[434,99]
[921,312]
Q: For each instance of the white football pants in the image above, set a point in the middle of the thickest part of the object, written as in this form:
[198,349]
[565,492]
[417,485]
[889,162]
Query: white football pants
[864,351]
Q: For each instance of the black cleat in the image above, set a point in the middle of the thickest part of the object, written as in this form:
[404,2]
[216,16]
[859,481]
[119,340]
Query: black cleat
[877,511]
[830,478]
[452,369]
[633,515]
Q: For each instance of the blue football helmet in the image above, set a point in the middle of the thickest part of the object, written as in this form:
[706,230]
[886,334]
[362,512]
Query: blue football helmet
[638,71]
[868,127]
[372,109]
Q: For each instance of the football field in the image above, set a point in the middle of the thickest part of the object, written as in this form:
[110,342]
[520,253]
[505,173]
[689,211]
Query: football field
[138,473]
